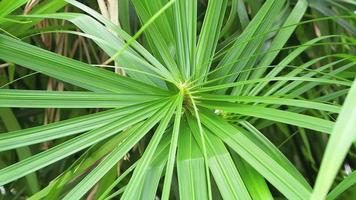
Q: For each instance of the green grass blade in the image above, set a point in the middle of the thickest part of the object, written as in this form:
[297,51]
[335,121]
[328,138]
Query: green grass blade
[272,100]
[283,35]
[190,166]
[11,124]
[281,87]
[172,150]
[306,121]
[221,166]
[128,140]
[117,181]
[131,191]
[124,36]
[20,138]
[251,151]
[291,56]
[202,142]
[324,9]
[68,70]
[345,184]
[8,6]
[153,174]
[101,35]
[72,146]
[209,36]
[259,138]
[254,182]
[231,20]
[308,86]
[261,23]
[88,159]
[69,99]
[185,13]
[159,34]
[343,134]
[26,27]
[266,80]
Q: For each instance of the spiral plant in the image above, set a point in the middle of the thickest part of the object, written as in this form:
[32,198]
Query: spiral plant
[177,99]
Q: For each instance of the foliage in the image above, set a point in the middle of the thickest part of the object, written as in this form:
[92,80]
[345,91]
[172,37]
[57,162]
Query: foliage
[219,99]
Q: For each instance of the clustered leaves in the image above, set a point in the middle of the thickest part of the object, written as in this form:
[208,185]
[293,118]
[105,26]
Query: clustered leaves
[219,99]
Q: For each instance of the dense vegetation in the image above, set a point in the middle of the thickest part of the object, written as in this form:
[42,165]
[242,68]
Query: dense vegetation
[179,99]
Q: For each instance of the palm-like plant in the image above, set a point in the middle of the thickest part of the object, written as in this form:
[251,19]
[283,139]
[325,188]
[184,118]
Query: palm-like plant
[196,98]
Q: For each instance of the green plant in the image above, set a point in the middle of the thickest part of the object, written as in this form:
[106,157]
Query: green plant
[204,102]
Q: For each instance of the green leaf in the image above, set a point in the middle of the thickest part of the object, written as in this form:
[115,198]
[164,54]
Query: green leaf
[159,34]
[23,28]
[283,63]
[126,142]
[123,35]
[190,166]
[266,80]
[324,9]
[221,166]
[208,37]
[345,184]
[306,121]
[136,179]
[264,143]
[153,174]
[65,128]
[117,181]
[7,6]
[246,43]
[278,88]
[172,150]
[343,134]
[251,152]
[72,146]
[12,124]
[272,100]
[101,35]
[88,159]
[185,13]
[68,70]
[53,99]
[282,36]
[308,86]
[254,182]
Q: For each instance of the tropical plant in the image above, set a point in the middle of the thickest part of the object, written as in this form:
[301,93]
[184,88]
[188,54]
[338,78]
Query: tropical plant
[190,100]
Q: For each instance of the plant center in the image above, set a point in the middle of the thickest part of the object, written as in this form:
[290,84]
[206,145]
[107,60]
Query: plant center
[187,98]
